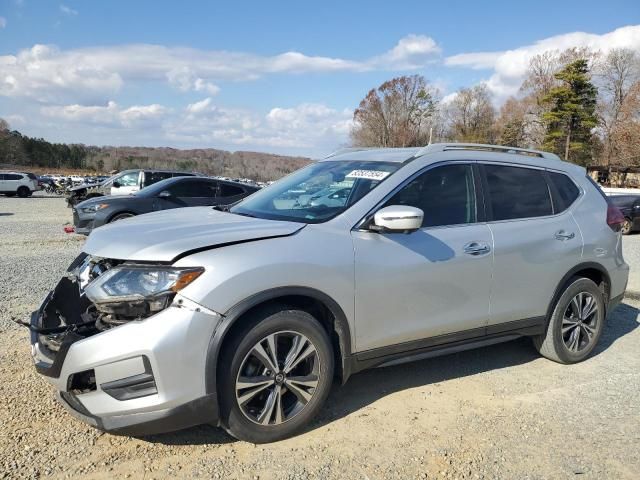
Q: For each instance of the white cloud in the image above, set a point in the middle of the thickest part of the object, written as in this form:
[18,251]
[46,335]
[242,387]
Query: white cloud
[3,22]
[68,10]
[94,74]
[109,115]
[510,66]
[411,52]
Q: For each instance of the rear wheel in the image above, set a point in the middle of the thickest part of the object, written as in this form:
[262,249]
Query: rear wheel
[576,323]
[121,216]
[276,376]
[24,192]
[625,228]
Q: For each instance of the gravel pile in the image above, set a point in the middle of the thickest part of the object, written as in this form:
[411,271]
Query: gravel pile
[496,412]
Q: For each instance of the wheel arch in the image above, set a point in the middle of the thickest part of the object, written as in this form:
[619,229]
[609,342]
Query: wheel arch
[591,270]
[120,212]
[313,301]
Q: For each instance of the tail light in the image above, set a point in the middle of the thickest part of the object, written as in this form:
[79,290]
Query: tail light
[615,218]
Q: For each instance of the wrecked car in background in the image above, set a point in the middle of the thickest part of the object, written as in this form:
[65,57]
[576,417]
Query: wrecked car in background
[123,183]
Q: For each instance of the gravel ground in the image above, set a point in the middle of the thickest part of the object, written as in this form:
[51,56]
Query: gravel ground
[495,412]
[631,252]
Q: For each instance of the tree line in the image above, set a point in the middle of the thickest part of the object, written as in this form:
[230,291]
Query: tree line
[582,105]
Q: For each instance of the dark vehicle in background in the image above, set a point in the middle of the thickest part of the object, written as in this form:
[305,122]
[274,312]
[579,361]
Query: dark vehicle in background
[174,192]
[629,205]
[123,183]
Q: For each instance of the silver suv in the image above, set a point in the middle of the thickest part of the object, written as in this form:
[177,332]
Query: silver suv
[243,317]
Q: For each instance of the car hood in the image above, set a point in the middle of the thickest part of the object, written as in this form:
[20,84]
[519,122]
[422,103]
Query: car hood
[110,199]
[163,236]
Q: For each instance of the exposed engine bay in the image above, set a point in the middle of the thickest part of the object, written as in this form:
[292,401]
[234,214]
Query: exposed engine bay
[69,313]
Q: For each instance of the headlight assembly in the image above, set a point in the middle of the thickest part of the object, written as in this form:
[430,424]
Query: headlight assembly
[94,208]
[135,283]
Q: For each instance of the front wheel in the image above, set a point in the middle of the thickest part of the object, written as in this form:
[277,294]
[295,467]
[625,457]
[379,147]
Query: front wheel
[275,376]
[576,323]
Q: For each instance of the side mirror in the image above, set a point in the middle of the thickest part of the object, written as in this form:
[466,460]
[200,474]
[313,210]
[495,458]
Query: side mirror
[397,218]
[165,194]
[116,184]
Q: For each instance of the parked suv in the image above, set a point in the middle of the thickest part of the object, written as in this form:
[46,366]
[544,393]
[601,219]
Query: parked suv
[18,183]
[243,317]
[123,183]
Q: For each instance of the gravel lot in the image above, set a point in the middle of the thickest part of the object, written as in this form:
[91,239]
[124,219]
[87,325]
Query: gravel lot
[496,412]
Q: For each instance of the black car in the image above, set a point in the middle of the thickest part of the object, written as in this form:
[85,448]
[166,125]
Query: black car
[629,205]
[174,192]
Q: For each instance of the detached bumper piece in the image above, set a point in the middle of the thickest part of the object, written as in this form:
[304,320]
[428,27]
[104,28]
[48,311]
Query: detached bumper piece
[136,386]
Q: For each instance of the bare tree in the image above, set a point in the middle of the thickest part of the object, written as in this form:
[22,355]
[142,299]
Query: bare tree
[471,116]
[617,75]
[398,113]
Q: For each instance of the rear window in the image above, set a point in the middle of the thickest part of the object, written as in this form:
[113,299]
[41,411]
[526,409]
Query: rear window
[227,190]
[565,191]
[517,192]
[13,176]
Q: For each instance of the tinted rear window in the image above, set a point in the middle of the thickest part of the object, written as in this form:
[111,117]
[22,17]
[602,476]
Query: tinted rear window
[227,190]
[565,193]
[12,176]
[516,192]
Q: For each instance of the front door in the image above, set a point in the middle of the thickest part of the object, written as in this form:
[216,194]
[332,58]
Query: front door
[432,282]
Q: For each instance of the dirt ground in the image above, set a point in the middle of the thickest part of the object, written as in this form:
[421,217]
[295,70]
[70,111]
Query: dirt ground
[496,412]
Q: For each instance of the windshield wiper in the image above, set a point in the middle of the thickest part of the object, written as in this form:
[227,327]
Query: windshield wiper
[222,208]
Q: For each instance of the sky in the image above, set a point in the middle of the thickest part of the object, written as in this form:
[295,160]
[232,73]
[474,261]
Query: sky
[279,76]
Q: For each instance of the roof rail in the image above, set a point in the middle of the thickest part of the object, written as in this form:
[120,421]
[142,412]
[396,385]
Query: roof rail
[340,151]
[499,149]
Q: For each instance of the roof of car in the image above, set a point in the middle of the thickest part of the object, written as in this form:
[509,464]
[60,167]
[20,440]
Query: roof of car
[498,153]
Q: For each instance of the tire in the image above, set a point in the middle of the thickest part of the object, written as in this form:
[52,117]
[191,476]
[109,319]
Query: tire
[121,216]
[245,411]
[24,192]
[582,331]
[625,229]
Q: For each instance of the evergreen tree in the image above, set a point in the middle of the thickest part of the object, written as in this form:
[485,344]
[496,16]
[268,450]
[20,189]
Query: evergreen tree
[572,113]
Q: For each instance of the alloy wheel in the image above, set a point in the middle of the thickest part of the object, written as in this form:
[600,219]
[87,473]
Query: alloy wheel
[277,378]
[579,322]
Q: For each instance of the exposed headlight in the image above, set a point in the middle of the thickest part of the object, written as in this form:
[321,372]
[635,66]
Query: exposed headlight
[94,208]
[134,283]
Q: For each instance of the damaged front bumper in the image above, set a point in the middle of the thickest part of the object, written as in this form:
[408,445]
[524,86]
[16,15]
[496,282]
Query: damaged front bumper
[141,377]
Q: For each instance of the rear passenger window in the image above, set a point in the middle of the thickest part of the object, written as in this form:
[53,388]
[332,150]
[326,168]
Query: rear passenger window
[227,190]
[565,192]
[12,176]
[516,192]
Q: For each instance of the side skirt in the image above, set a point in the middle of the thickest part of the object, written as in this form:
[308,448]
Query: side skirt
[446,344]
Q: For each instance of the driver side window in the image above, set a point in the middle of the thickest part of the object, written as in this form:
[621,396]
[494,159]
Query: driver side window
[128,180]
[445,194]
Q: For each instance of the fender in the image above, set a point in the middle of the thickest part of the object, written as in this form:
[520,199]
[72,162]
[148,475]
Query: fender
[234,313]
[560,288]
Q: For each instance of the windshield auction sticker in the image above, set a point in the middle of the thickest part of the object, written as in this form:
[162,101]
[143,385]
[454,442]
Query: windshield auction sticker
[368,174]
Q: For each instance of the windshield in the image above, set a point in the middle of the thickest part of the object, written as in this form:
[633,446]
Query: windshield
[316,193]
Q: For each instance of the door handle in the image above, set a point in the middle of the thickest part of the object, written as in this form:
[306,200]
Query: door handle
[476,248]
[562,235]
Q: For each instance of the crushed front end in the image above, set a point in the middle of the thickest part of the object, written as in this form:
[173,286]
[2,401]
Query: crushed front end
[124,348]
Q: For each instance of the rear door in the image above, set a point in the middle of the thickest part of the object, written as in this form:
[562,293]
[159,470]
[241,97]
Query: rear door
[536,240]
[190,192]
[229,193]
